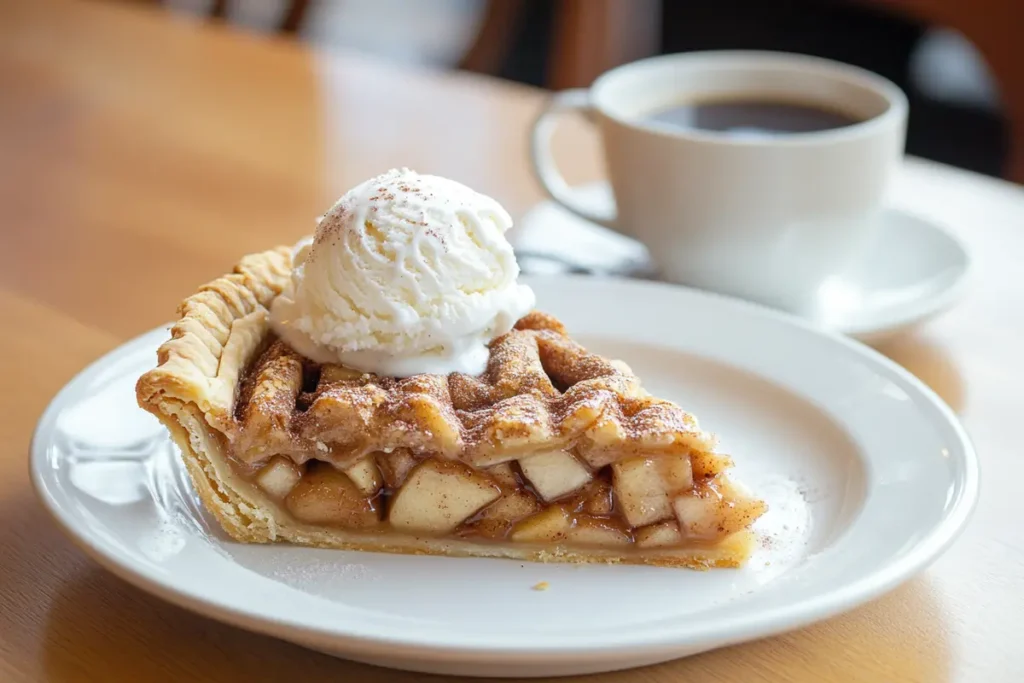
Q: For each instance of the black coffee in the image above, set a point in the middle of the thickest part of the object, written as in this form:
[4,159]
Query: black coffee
[753,117]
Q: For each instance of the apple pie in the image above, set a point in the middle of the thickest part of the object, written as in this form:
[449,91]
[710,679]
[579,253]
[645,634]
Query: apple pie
[552,454]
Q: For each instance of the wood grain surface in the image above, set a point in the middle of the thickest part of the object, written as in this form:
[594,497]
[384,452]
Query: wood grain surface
[141,153]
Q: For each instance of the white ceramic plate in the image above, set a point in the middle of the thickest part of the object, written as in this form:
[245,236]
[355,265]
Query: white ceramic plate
[911,270]
[868,475]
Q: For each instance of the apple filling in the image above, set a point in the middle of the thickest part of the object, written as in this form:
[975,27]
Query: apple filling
[553,453]
[552,498]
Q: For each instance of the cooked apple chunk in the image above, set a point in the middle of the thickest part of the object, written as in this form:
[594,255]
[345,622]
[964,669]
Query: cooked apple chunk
[326,496]
[503,475]
[497,519]
[599,531]
[395,466]
[659,535]
[697,512]
[598,500]
[676,471]
[366,475]
[714,509]
[516,503]
[512,506]
[708,463]
[554,474]
[644,486]
[278,477]
[548,526]
[440,495]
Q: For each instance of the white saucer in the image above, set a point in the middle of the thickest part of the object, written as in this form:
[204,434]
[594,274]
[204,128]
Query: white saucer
[868,476]
[913,270]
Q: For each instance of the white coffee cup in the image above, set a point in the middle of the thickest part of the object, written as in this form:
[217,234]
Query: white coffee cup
[768,218]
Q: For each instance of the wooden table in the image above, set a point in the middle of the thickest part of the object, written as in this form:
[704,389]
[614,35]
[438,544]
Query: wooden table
[141,153]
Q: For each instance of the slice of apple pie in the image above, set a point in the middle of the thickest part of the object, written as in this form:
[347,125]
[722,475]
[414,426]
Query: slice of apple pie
[387,387]
[553,453]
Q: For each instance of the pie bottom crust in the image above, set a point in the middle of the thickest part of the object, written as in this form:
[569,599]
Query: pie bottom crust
[249,515]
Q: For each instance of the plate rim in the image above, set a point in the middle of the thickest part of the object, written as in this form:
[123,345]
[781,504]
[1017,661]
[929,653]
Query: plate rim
[788,616]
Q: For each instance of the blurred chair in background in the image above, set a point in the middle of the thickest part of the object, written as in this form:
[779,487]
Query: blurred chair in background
[965,81]
[499,26]
[292,15]
[994,28]
[588,37]
[961,63]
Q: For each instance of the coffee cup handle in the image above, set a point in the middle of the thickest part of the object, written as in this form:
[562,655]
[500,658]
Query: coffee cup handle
[544,165]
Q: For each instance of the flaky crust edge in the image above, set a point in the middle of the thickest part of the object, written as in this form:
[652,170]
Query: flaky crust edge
[193,387]
[192,392]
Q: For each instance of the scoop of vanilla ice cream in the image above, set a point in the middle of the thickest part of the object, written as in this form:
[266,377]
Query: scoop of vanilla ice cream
[406,274]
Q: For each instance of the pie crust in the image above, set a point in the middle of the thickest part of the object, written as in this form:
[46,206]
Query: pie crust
[553,454]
